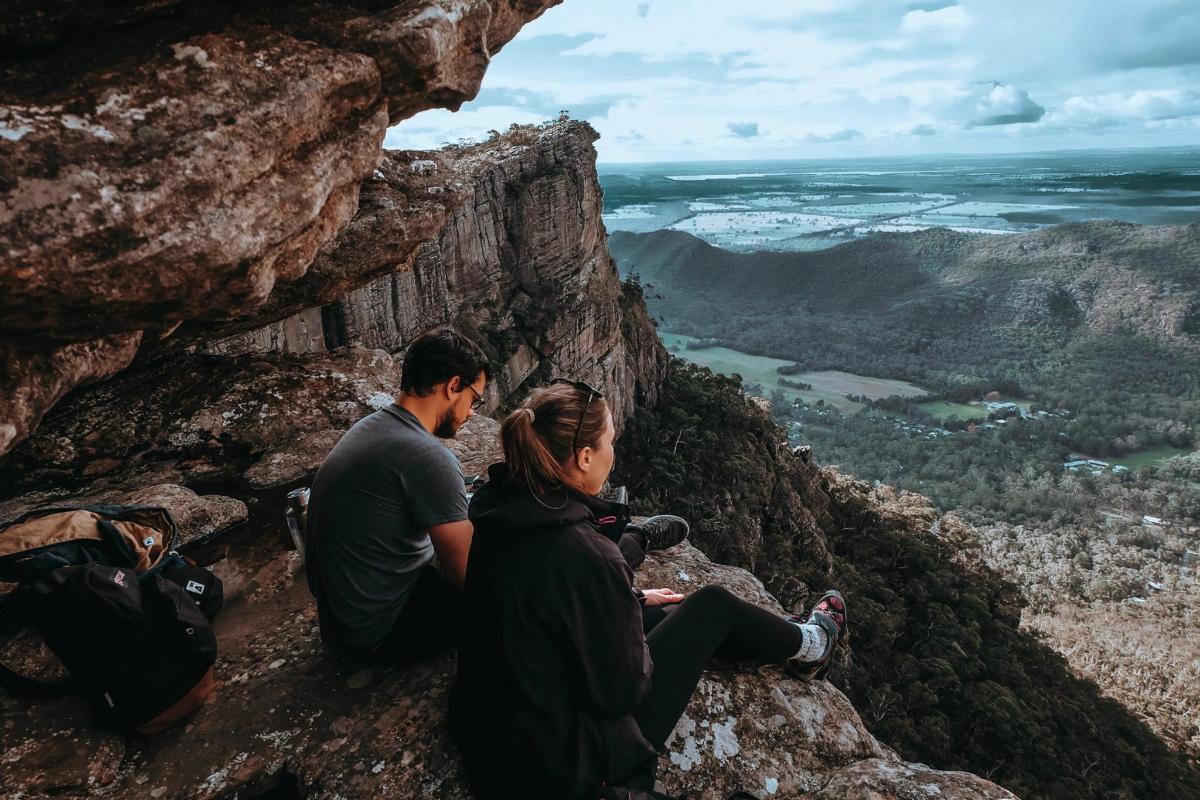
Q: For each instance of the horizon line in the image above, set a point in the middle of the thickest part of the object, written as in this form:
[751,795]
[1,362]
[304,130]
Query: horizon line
[1185,147]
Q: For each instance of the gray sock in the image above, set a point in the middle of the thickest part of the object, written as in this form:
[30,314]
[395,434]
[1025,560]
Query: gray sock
[813,643]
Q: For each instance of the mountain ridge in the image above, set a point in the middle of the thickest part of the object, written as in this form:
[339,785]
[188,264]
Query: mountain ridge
[939,307]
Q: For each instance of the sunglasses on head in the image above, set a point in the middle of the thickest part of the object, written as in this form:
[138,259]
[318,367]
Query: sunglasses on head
[592,392]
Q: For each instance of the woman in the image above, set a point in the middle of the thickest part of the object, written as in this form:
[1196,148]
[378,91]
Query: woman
[560,692]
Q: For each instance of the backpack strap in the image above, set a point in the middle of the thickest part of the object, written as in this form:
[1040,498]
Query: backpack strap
[21,685]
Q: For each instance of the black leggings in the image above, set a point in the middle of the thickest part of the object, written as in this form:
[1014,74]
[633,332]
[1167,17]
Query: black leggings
[683,638]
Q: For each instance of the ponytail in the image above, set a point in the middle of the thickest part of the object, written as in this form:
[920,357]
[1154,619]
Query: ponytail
[537,437]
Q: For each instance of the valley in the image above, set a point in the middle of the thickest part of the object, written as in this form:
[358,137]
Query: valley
[1042,386]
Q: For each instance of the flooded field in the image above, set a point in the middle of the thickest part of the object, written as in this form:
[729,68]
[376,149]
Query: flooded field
[831,386]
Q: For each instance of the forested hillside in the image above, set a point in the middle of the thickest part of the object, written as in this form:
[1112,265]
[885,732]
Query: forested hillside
[1109,303]
[939,667]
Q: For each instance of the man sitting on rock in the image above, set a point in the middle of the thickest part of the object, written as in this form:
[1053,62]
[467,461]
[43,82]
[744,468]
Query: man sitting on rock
[387,533]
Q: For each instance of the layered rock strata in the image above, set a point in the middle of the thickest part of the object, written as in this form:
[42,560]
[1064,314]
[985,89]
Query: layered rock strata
[521,262]
[194,158]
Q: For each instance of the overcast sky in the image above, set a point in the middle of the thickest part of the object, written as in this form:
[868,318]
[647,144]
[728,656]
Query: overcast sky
[682,80]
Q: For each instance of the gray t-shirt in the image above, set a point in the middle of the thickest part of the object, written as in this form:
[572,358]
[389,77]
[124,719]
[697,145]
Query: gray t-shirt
[375,497]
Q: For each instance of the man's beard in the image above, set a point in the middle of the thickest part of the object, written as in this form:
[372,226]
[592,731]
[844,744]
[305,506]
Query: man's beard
[446,428]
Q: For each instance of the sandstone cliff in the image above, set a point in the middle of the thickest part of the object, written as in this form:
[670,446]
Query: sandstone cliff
[521,263]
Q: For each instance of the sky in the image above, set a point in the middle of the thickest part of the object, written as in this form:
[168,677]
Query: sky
[696,80]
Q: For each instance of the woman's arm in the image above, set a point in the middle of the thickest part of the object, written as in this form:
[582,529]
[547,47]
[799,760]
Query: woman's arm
[604,622]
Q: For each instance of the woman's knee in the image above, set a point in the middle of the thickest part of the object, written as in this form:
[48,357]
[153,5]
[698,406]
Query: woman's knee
[712,597]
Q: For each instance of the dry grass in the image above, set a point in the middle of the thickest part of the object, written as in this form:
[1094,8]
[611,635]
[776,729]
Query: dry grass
[1147,657]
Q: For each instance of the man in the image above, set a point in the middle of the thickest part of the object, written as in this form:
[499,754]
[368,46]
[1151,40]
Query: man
[388,535]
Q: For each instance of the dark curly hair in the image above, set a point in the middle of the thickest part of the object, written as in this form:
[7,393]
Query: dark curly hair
[438,355]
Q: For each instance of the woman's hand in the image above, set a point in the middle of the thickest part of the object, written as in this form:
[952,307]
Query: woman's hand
[661,597]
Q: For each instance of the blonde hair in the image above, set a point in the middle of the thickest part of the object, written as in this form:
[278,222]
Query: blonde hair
[537,436]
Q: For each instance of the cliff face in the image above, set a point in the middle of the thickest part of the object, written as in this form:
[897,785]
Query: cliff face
[521,262]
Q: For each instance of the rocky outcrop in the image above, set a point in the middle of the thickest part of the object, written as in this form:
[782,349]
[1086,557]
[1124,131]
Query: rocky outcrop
[291,718]
[251,420]
[197,189]
[521,262]
[191,160]
[33,381]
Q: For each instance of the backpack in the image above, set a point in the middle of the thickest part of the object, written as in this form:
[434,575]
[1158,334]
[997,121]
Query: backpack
[138,649]
[126,614]
[141,538]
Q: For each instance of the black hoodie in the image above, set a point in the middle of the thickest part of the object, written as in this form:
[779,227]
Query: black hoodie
[554,659]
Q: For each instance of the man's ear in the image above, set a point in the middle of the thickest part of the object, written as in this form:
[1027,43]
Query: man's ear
[453,386]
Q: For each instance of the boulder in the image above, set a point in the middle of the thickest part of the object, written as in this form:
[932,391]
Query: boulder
[34,380]
[181,165]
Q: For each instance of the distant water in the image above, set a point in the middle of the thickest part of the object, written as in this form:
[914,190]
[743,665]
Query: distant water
[809,205]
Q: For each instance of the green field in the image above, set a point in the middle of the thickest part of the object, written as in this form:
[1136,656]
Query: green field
[831,386]
[940,409]
[1151,457]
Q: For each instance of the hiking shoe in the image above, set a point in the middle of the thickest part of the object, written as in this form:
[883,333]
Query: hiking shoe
[661,531]
[830,614]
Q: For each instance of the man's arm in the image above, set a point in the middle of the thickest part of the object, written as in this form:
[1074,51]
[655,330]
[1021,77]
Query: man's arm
[452,543]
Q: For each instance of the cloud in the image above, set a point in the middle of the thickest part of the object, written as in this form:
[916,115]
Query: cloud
[1166,36]
[879,76]
[544,103]
[1002,104]
[743,130]
[931,5]
[844,135]
[950,19]
[1117,108]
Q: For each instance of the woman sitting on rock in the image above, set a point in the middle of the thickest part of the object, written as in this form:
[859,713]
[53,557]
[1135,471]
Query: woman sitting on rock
[561,692]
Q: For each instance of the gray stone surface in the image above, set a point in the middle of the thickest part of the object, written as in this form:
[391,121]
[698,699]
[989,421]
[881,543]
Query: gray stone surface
[288,711]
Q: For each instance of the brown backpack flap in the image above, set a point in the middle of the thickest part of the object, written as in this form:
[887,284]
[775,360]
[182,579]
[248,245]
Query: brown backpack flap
[187,705]
[148,544]
[53,528]
[145,534]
